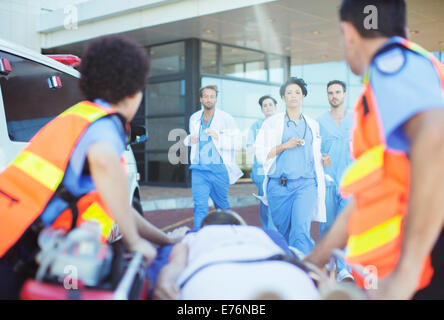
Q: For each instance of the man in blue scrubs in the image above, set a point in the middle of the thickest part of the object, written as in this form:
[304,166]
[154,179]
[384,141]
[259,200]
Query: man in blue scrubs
[335,127]
[268,108]
[213,138]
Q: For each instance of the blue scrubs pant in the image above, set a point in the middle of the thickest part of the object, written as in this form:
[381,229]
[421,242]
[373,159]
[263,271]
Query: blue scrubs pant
[204,184]
[331,206]
[264,213]
[292,208]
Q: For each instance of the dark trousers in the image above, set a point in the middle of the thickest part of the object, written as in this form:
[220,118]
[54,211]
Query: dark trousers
[435,289]
[18,264]
[10,282]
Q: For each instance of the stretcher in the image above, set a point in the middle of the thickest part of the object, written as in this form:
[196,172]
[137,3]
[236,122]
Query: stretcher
[133,286]
[78,266]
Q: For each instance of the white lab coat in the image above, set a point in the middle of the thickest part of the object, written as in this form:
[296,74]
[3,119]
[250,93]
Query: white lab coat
[229,141]
[270,136]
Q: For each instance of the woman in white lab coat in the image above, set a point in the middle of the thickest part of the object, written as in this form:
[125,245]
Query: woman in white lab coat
[289,146]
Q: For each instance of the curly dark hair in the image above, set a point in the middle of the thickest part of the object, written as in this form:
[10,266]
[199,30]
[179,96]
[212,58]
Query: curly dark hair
[294,80]
[113,68]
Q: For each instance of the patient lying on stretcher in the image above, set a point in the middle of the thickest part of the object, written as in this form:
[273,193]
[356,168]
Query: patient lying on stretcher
[229,260]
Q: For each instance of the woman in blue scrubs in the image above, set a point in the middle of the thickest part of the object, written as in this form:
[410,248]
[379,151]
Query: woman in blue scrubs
[268,108]
[294,170]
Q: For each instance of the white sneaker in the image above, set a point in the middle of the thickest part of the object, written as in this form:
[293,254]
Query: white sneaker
[298,253]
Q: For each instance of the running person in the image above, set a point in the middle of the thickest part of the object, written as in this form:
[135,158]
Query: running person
[335,127]
[214,140]
[268,108]
[289,146]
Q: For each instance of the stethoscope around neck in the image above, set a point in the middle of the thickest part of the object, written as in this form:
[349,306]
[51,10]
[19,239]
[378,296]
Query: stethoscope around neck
[295,124]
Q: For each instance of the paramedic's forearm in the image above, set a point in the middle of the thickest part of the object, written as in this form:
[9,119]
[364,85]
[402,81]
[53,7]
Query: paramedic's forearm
[110,181]
[425,216]
[336,238]
[150,232]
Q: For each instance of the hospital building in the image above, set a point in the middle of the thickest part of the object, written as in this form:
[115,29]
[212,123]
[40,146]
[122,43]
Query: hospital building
[248,48]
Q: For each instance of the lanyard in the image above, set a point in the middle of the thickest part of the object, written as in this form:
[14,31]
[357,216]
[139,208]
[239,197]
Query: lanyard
[200,131]
[201,123]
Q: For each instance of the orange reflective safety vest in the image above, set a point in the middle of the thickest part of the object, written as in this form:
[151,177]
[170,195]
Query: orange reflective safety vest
[379,181]
[35,175]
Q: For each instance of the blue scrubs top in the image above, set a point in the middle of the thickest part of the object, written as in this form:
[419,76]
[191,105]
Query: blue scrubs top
[109,130]
[336,142]
[257,168]
[297,162]
[208,158]
[404,84]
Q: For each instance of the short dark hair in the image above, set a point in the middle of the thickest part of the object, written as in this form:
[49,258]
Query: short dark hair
[212,87]
[261,99]
[391,17]
[294,80]
[223,217]
[113,68]
[337,82]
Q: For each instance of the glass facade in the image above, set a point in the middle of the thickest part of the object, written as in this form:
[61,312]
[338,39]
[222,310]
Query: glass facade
[240,99]
[234,62]
[242,63]
[159,129]
[317,76]
[209,57]
[278,68]
[167,59]
[179,69]
[163,109]
[242,77]
[162,171]
[166,98]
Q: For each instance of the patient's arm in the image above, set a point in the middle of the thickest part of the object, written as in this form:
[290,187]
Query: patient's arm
[166,288]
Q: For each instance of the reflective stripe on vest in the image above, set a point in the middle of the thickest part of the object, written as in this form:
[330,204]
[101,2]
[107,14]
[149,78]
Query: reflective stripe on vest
[367,164]
[374,238]
[379,180]
[90,207]
[30,181]
[97,213]
[88,112]
[40,169]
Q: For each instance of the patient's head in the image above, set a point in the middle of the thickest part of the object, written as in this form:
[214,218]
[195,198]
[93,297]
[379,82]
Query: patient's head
[223,217]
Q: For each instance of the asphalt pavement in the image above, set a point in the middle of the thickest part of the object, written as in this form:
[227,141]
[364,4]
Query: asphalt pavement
[169,208]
